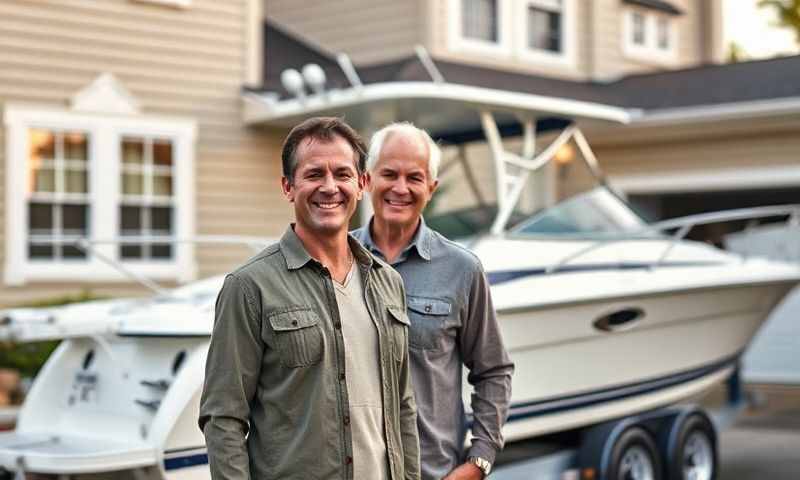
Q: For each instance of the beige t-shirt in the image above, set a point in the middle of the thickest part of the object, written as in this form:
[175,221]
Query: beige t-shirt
[362,368]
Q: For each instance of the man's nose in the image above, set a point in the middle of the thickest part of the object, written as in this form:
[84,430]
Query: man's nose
[329,184]
[400,186]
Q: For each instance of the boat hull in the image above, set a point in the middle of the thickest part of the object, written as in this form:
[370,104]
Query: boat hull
[570,373]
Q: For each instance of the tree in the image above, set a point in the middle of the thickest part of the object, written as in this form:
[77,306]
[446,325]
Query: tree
[788,12]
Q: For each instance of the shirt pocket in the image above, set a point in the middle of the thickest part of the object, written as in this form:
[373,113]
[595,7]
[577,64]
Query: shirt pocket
[429,322]
[298,336]
[398,326]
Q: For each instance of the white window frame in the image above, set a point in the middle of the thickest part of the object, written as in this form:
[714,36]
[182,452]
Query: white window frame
[105,132]
[650,52]
[460,43]
[567,55]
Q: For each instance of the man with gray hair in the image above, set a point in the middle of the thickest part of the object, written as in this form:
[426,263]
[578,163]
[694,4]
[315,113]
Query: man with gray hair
[453,323]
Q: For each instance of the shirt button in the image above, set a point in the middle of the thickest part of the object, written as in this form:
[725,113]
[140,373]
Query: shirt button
[294,323]
[341,377]
[348,460]
[346,420]
[337,325]
[427,309]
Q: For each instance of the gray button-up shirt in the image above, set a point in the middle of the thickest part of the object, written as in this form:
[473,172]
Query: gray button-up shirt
[453,323]
[275,403]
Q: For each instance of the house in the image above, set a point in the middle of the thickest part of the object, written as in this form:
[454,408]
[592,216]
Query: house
[129,117]
[124,117]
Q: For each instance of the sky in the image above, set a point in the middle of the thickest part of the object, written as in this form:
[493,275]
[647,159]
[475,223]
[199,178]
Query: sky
[749,26]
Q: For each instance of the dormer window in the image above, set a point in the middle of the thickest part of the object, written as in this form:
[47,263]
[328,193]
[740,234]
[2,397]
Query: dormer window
[649,36]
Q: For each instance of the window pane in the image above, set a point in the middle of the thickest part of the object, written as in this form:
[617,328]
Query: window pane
[68,251]
[638,28]
[131,251]
[75,181]
[544,29]
[44,180]
[132,151]
[43,145]
[40,251]
[162,152]
[132,184]
[158,250]
[663,33]
[131,220]
[40,218]
[162,185]
[76,146]
[161,220]
[73,218]
[479,19]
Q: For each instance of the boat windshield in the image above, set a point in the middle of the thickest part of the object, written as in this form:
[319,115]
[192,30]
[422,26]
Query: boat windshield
[594,214]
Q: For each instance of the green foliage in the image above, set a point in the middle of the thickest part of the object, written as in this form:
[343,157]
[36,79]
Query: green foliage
[28,358]
[736,53]
[788,12]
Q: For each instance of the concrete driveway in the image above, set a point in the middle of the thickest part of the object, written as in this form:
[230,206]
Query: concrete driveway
[764,444]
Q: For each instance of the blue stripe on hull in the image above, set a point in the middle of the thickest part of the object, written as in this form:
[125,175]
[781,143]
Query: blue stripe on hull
[526,410]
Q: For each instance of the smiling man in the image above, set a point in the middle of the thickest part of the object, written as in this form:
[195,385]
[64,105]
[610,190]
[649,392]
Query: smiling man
[453,323]
[307,374]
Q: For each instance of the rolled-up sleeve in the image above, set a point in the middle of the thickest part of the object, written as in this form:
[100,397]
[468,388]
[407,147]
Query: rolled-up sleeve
[490,369]
[232,371]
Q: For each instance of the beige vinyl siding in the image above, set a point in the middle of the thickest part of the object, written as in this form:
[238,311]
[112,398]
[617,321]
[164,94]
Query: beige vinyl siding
[368,31]
[176,62]
[702,156]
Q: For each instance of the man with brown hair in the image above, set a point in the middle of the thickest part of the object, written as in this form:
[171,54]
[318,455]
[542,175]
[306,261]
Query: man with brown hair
[307,374]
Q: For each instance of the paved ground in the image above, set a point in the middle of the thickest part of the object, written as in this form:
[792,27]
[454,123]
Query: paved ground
[763,445]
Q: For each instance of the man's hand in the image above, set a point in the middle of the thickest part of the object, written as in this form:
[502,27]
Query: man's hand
[465,471]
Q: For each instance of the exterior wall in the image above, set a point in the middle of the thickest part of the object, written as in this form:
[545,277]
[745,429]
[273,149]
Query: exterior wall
[179,62]
[741,155]
[598,38]
[368,31]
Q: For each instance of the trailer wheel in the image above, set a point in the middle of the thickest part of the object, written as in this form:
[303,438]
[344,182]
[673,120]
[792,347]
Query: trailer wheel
[635,457]
[694,453]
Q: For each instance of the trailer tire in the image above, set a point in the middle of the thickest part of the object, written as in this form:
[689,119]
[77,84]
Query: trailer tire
[635,457]
[692,453]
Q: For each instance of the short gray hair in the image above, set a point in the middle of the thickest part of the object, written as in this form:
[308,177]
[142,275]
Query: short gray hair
[376,144]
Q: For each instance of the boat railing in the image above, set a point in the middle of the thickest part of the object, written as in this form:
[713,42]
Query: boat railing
[684,225]
[89,246]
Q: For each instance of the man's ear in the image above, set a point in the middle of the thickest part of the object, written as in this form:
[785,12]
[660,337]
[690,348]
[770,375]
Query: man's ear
[286,188]
[363,184]
[433,186]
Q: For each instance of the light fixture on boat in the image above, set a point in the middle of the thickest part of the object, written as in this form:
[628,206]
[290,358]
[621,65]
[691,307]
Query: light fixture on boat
[292,81]
[314,77]
[565,154]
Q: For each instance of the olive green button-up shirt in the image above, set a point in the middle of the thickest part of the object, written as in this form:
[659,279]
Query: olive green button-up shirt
[275,403]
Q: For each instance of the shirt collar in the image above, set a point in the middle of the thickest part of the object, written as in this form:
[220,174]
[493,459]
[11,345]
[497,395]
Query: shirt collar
[421,241]
[297,256]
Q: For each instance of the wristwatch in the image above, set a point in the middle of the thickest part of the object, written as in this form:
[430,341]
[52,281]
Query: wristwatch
[482,463]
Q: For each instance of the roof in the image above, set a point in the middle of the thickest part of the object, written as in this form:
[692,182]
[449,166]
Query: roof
[697,86]
[659,5]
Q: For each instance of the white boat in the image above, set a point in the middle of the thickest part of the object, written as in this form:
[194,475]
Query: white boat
[603,315]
